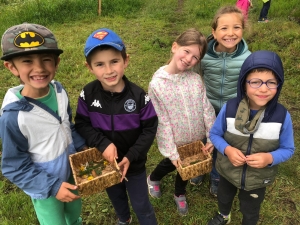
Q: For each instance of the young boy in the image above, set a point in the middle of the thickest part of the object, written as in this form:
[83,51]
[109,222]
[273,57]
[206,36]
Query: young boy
[253,134]
[117,117]
[35,126]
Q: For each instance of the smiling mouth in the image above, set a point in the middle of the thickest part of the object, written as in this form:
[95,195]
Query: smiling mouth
[183,62]
[229,40]
[39,77]
[111,78]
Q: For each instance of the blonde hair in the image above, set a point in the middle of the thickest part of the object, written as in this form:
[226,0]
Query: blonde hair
[227,10]
[190,37]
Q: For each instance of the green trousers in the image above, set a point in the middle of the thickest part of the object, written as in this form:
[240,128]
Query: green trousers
[52,211]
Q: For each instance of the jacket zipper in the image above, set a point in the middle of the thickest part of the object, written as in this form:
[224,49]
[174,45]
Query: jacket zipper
[188,116]
[223,77]
[245,165]
[112,116]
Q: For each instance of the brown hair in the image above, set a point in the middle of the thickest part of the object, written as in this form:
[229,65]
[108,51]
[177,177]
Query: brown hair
[101,48]
[190,37]
[227,10]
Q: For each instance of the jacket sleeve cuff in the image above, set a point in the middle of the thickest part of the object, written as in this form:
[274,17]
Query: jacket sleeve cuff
[174,156]
[55,188]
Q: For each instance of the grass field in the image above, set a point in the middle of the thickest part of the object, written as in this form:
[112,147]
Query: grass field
[148,28]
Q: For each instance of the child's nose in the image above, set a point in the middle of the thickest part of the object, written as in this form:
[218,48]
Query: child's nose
[39,66]
[109,69]
[263,87]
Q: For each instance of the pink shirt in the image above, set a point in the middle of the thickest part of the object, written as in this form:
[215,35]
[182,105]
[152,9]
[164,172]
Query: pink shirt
[184,112]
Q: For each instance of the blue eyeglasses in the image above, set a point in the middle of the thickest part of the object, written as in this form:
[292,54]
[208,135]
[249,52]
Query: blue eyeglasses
[256,83]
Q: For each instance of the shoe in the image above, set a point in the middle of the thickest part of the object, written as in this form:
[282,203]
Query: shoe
[181,204]
[197,180]
[213,189]
[263,21]
[124,223]
[219,220]
[153,188]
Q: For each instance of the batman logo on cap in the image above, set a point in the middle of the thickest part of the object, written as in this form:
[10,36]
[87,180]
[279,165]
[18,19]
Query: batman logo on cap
[28,40]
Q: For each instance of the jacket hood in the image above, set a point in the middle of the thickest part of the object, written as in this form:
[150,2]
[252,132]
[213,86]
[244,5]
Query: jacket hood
[262,59]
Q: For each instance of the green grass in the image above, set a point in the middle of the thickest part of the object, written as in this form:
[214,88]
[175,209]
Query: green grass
[148,28]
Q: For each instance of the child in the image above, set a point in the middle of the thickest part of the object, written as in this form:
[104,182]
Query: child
[220,67]
[253,134]
[117,117]
[184,112]
[35,126]
[263,16]
[244,5]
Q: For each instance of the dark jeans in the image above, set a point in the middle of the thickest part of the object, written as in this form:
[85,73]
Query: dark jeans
[138,194]
[264,11]
[162,169]
[250,201]
[214,175]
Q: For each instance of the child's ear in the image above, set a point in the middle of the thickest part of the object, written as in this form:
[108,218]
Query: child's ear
[57,62]
[126,61]
[11,67]
[174,47]
[89,67]
[213,33]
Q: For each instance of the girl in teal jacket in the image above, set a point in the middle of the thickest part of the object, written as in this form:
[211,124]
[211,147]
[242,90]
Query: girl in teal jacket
[221,66]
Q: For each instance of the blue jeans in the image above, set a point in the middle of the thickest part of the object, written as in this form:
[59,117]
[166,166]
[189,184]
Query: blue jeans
[137,190]
[265,10]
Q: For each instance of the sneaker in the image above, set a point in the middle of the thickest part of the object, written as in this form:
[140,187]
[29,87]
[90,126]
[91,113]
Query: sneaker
[263,21]
[153,188]
[181,204]
[219,220]
[124,223]
[197,180]
[213,189]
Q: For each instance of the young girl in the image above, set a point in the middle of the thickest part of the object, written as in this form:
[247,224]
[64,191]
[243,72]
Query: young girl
[244,5]
[221,65]
[184,112]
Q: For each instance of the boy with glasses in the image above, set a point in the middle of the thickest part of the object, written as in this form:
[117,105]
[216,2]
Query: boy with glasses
[253,134]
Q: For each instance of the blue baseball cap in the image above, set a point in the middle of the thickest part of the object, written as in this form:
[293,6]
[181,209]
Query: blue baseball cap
[103,36]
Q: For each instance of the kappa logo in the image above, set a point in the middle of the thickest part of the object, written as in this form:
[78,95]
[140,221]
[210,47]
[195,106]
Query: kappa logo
[28,40]
[147,99]
[96,103]
[130,105]
[82,94]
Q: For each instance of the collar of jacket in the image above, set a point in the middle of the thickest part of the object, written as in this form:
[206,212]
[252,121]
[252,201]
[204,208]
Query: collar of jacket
[116,95]
[211,45]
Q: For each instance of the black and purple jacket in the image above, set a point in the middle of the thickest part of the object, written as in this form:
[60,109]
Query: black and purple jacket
[127,119]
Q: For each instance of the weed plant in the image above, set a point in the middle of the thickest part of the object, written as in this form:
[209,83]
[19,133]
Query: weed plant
[148,28]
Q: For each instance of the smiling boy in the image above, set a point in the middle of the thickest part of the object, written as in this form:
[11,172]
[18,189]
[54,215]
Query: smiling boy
[253,134]
[117,117]
[36,126]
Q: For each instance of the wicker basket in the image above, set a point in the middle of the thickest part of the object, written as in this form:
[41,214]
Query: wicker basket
[97,184]
[192,152]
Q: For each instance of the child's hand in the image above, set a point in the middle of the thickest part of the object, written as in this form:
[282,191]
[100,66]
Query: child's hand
[236,157]
[259,160]
[124,165]
[208,148]
[64,194]
[176,162]
[110,153]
